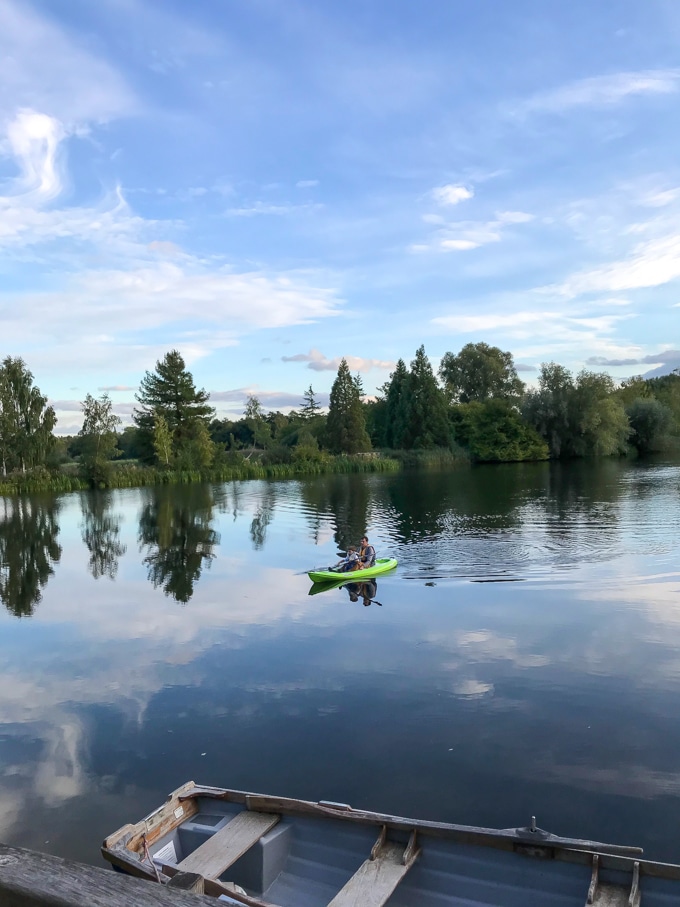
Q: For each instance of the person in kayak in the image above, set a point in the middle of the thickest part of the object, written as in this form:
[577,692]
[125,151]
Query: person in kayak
[366,554]
[351,562]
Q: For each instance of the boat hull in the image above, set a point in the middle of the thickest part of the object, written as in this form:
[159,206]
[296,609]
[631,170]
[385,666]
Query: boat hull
[382,565]
[296,853]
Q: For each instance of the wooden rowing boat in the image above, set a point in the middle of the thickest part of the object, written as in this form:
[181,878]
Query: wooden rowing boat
[260,850]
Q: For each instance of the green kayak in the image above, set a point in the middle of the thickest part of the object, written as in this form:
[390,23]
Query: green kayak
[382,565]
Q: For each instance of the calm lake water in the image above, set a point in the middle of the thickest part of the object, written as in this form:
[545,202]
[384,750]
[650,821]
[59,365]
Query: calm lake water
[523,659]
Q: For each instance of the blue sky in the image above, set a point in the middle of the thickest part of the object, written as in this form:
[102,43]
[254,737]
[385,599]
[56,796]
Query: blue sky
[270,185]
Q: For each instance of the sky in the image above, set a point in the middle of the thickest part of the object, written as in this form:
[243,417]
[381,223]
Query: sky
[271,185]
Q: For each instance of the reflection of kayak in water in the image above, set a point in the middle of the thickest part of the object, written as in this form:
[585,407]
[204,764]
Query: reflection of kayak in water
[382,565]
[328,585]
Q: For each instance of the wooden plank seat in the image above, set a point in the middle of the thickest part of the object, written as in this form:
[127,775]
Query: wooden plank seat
[607,895]
[223,848]
[374,882]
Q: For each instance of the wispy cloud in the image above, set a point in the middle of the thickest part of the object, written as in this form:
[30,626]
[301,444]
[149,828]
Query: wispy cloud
[306,184]
[541,333]
[601,91]
[665,357]
[43,68]
[116,387]
[652,263]
[462,236]
[261,208]
[320,363]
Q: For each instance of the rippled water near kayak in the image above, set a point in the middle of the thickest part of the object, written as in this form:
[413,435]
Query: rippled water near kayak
[524,659]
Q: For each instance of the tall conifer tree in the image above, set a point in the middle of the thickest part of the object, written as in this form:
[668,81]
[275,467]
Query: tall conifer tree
[170,392]
[346,426]
[428,423]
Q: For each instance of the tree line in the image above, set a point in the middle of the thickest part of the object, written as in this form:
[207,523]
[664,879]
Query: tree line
[475,406]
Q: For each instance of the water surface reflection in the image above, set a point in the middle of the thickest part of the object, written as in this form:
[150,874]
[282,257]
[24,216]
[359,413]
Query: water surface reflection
[480,702]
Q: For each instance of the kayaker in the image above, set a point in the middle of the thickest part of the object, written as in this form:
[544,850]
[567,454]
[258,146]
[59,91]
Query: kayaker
[366,554]
[351,562]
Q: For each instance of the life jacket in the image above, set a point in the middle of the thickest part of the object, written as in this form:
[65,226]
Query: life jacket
[362,554]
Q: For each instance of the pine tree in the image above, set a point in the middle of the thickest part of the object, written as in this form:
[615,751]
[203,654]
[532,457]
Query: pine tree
[346,425]
[427,422]
[171,393]
[397,406]
[310,407]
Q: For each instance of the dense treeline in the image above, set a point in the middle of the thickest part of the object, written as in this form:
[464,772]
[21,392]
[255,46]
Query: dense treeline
[476,407]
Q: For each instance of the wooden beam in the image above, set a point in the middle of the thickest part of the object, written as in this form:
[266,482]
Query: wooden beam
[188,881]
[374,882]
[30,879]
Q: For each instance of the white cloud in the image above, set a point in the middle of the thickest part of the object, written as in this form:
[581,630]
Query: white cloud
[451,194]
[33,141]
[462,245]
[306,184]
[602,91]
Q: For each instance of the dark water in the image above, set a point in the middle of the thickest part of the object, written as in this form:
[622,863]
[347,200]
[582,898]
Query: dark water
[524,659]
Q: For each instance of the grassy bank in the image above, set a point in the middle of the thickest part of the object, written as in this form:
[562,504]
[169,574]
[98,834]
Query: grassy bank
[127,475]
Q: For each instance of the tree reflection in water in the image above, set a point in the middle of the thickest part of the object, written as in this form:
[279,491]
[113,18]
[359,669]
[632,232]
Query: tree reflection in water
[263,517]
[100,533]
[175,531]
[28,551]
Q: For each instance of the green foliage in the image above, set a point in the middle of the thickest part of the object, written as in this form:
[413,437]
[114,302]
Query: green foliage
[548,408]
[129,443]
[26,421]
[495,432]
[480,372]
[99,442]
[650,422]
[162,440]
[260,429]
[427,422]
[307,449]
[435,458]
[346,424]
[577,418]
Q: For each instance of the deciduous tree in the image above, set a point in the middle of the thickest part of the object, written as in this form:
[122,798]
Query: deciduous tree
[99,439]
[480,372]
[26,421]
